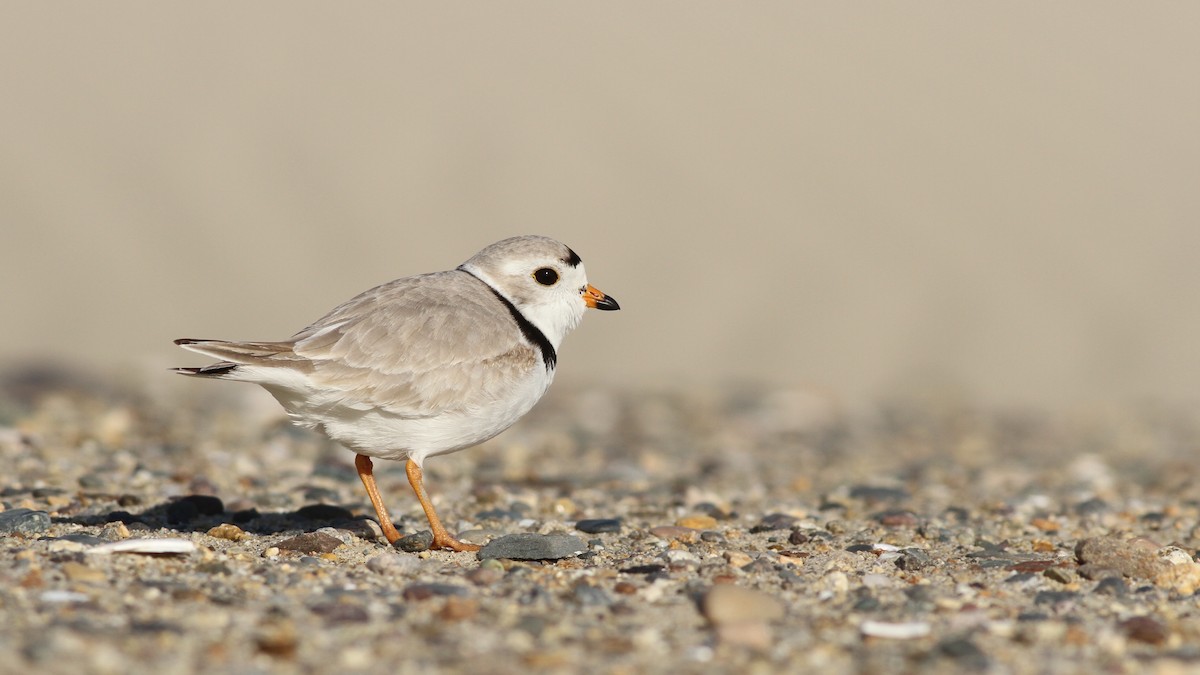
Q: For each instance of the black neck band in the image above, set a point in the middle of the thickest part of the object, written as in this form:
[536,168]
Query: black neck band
[530,331]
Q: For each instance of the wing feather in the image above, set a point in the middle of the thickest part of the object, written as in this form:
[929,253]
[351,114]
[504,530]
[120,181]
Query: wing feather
[418,347]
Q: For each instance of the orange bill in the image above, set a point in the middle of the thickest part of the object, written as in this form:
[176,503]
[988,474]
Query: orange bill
[596,299]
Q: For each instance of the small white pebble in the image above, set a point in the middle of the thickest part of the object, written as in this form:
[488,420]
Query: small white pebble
[62,596]
[895,631]
[146,546]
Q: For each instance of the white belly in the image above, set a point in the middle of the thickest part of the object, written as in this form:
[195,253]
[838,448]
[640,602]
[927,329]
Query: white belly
[377,433]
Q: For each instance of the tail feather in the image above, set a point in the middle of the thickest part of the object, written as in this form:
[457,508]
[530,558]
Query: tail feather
[239,352]
[214,370]
[235,354]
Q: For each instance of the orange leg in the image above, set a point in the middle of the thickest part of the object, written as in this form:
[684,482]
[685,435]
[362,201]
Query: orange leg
[364,466]
[441,538]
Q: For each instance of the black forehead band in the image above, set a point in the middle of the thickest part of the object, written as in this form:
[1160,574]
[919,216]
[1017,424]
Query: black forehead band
[573,259]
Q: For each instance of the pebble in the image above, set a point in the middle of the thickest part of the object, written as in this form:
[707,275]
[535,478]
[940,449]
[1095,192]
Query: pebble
[680,556]
[897,518]
[895,631]
[741,616]
[913,559]
[599,525]
[678,533]
[1060,574]
[168,546]
[24,521]
[774,521]
[873,494]
[965,652]
[697,522]
[1114,586]
[394,564]
[1130,560]
[591,596]
[1138,559]
[485,575]
[60,596]
[1144,629]
[310,542]
[738,558]
[425,591]
[459,608]
[79,572]
[728,603]
[531,546]
[229,532]
[415,543]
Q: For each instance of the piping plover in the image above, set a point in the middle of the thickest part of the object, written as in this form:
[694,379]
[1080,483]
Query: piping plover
[424,365]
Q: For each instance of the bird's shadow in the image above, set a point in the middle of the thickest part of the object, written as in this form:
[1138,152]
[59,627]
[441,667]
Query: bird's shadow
[201,513]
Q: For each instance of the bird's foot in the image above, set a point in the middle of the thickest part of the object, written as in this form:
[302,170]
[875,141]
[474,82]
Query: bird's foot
[443,540]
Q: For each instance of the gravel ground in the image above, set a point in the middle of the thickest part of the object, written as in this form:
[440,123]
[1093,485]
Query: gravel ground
[732,531]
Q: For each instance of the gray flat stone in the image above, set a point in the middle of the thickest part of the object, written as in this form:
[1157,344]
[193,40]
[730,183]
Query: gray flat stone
[530,546]
[24,521]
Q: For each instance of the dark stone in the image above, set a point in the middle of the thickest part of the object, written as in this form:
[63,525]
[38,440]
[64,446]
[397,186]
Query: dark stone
[81,538]
[591,596]
[1054,597]
[1092,507]
[415,543]
[1112,585]
[1032,616]
[531,546]
[913,559]
[24,521]
[712,537]
[866,602]
[774,521]
[599,525]
[919,595]
[860,548]
[340,612]
[873,494]
[643,569]
[419,592]
[710,509]
[797,537]
[93,481]
[323,512]
[310,542]
[965,652]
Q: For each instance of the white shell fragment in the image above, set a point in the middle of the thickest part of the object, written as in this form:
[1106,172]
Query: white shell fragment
[895,631]
[146,546]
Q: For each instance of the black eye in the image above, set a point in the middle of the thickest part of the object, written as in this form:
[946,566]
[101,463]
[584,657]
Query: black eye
[546,276]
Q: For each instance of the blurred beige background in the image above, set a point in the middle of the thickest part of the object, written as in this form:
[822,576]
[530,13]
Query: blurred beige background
[864,199]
